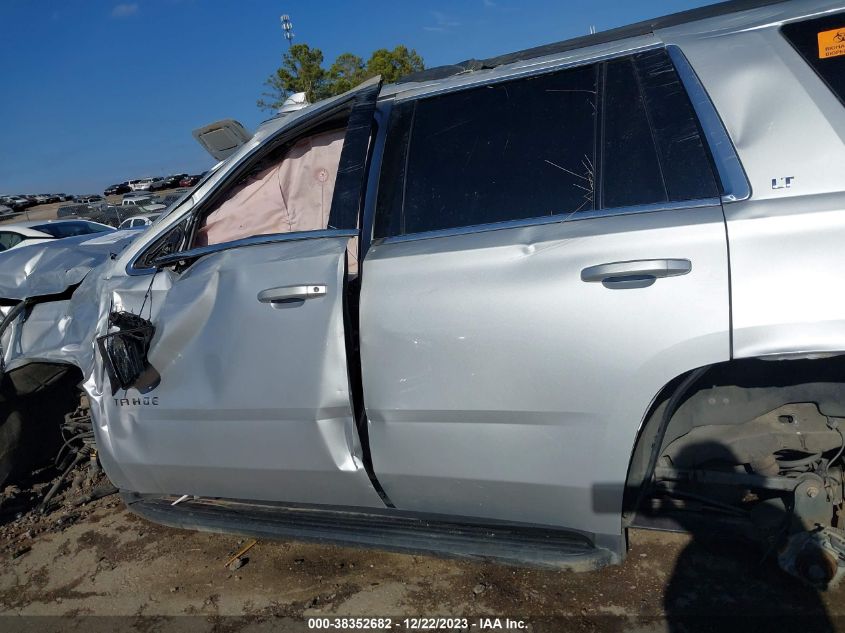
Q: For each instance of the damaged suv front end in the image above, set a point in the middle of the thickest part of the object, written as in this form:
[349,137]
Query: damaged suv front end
[50,311]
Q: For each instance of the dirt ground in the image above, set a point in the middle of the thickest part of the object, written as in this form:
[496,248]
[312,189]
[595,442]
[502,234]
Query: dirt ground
[98,559]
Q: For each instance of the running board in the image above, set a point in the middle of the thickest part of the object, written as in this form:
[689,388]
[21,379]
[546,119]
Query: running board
[394,531]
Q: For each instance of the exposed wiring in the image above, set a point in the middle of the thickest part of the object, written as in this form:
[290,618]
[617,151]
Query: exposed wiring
[148,293]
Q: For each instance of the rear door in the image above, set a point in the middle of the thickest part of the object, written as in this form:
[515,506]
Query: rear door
[253,399]
[549,252]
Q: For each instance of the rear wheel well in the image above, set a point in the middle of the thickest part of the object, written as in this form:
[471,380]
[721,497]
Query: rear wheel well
[731,393]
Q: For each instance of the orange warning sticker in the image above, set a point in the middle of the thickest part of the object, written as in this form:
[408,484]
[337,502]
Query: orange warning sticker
[832,43]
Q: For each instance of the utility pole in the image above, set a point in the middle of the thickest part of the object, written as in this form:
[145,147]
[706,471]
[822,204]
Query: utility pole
[287,29]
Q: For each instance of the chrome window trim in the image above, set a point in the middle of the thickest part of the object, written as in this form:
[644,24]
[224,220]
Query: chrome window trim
[255,240]
[734,181]
[552,219]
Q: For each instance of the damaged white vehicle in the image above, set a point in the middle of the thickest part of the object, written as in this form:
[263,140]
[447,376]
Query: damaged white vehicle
[506,309]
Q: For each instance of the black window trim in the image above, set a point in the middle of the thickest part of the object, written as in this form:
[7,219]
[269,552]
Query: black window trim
[735,185]
[728,168]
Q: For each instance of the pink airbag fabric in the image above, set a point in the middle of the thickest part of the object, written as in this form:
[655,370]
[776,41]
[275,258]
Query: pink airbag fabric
[293,195]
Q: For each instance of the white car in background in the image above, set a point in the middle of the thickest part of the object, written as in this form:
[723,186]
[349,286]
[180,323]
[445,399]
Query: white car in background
[34,232]
[142,184]
[137,200]
[138,221]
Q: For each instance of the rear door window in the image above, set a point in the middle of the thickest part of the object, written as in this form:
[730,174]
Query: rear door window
[631,172]
[513,150]
[821,42]
[616,134]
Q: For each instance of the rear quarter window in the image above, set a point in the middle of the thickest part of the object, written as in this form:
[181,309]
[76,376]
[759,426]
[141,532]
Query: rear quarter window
[821,42]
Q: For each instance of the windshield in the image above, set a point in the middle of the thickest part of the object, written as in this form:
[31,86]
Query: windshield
[71,229]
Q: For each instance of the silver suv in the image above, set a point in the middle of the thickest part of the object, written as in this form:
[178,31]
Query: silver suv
[504,309]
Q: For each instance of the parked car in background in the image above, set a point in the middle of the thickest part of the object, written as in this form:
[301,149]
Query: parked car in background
[137,200]
[190,181]
[89,198]
[142,184]
[137,194]
[117,189]
[168,182]
[72,210]
[26,233]
[172,196]
[139,221]
[110,214]
[4,210]
[152,207]
[18,202]
[148,203]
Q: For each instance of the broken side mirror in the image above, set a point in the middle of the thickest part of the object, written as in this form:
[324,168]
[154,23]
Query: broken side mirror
[124,353]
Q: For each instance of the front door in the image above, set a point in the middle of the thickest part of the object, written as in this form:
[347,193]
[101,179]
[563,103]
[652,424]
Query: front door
[254,398]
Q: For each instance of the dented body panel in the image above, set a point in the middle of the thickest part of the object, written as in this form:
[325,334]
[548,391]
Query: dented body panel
[499,381]
[285,430]
[59,278]
[474,410]
[788,128]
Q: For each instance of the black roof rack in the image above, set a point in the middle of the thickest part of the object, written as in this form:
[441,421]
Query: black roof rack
[603,37]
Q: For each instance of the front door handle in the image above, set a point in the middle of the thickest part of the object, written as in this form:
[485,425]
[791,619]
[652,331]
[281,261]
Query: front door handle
[639,273]
[286,294]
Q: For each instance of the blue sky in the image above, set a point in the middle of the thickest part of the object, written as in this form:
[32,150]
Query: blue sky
[98,91]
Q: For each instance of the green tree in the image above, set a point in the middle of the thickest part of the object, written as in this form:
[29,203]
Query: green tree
[392,65]
[302,71]
[347,72]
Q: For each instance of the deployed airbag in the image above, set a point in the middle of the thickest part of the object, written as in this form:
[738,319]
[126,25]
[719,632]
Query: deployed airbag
[292,195]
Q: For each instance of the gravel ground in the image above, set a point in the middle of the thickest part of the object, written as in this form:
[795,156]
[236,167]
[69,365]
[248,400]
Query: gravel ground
[99,559]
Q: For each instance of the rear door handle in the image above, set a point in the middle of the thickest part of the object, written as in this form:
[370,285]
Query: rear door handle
[291,293]
[639,273]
